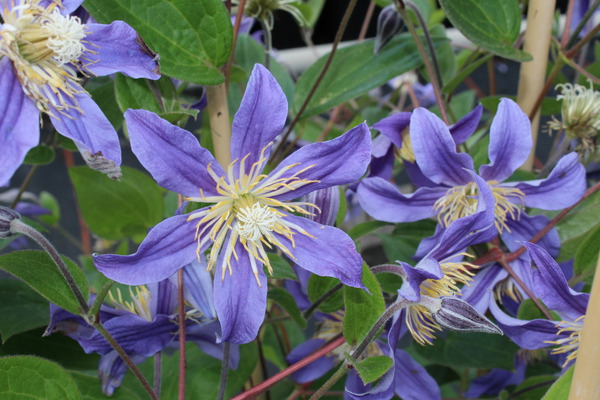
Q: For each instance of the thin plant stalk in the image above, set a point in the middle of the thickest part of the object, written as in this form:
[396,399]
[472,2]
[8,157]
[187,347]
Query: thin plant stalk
[181,323]
[236,30]
[540,15]
[157,373]
[584,385]
[224,371]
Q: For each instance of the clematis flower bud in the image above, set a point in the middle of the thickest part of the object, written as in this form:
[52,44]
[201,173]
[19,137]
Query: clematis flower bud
[328,201]
[388,24]
[458,315]
[6,216]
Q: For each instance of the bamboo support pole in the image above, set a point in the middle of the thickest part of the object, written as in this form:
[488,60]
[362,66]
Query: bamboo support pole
[533,73]
[220,125]
[586,382]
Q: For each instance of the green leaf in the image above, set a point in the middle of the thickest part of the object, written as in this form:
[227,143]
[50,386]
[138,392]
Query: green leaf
[281,268]
[354,71]
[37,269]
[49,202]
[57,347]
[577,225]
[372,368]
[104,96]
[362,308]
[27,377]
[560,389]
[284,299]
[476,350]
[318,285]
[21,309]
[91,389]
[118,209]
[365,228]
[193,38]
[490,24]
[135,93]
[402,244]
[40,155]
[587,254]
[534,387]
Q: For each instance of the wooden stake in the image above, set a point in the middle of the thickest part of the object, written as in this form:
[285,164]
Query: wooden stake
[220,125]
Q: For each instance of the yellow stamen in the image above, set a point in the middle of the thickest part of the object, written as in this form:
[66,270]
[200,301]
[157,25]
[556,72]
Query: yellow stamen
[569,344]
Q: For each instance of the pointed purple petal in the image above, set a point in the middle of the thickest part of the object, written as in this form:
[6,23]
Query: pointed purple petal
[477,293]
[529,335]
[412,381]
[112,369]
[463,129]
[383,201]
[416,175]
[172,155]
[89,128]
[314,370]
[393,126]
[19,125]
[335,162]
[426,269]
[383,167]
[552,287]
[564,186]
[496,380]
[239,300]
[260,118]
[163,297]
[168,247]
[118,48]
[510,142]
[526,227]
[381,146]
[435,150]
[199,288]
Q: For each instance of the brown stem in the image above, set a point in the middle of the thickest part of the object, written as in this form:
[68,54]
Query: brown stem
[565,37]
[236,29]
[181,322]
[366,21]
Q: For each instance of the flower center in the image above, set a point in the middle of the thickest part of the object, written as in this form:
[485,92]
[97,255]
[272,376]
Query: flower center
[139,304]
[406,151]
[580,112]
[41,43]
[569,344]
[246,211]
[461,201]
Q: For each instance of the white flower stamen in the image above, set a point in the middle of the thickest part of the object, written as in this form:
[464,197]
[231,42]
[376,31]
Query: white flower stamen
[255,221]
[65,35]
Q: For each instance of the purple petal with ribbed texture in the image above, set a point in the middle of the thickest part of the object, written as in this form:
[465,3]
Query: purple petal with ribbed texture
[529,335]
[412,381]
[552,287]
[383,167]
[260,118]
[393,126]
[330,252]
[526,227]
[172,155]
[466,126]
[496,380]
[168,247]
[239,300]
[564,186]
[328,203]
[510,142]
[163,297]
[416,175]
[89,128]
[336,162]
[381,145]
[118,48]
[19,125]
[314,370]
[477,293]
[112,369]
[383,201]
[411,287]
[435,150]
[198,285]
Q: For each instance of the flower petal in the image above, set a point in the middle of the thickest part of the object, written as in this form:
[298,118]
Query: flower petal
[477,293]
[466,126]
[168,247]
[381,146]
[526,227]
[172,155]
[435,150]
[412,381]
[19,125]
[118,48]
[314,370]
[335,162]
[383,201]
[552,287]
[564,186]
[330,252]
[260,118]
[510,142]
[239,300]
[392,127]
[89,128]
[427,268]
[199,289]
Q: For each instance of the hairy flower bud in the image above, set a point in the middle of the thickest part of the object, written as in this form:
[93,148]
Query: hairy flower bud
[388,24]
[6,216]
[458,315]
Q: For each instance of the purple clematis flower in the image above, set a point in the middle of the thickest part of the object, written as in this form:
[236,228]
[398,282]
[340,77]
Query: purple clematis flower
[446,185]
[44,49]
[550,285]
[250,212]
[147,325]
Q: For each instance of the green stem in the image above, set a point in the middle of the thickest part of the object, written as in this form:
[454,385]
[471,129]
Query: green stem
[320,300]
[341,371]
[582,23]
[24,185]
[18,226]
[224,371]
[95,308]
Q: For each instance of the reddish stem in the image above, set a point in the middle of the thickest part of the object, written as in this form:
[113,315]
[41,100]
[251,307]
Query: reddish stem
[264,386]
[236,29]
[181,321]
[86,243]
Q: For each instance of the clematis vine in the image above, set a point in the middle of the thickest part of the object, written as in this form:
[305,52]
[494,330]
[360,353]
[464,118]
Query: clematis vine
[447,189]
[550,284]
[44,50]
[147,325]
[249,212]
